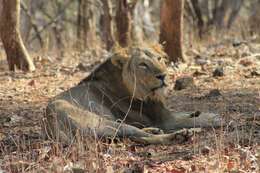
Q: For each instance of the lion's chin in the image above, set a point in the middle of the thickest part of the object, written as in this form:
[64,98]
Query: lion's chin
[158,94]
[162,86]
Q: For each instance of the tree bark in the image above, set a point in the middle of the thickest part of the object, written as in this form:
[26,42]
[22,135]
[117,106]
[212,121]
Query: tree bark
[235,8]
[122,19]
[200,23]
[86,23]
[17,55]
[214,12]
[254,20]
[221,13]
[105,24]
[82,24]
[171,27]
[32,24]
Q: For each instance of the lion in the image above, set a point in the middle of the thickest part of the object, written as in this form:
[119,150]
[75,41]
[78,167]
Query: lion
[123,97]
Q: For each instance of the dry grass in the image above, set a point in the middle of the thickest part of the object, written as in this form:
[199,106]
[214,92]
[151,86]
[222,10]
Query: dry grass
[23,98]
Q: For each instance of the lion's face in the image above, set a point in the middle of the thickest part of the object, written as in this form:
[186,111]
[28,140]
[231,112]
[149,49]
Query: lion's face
[144,73]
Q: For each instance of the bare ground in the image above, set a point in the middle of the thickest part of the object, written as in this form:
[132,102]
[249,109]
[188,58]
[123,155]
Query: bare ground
[235,96]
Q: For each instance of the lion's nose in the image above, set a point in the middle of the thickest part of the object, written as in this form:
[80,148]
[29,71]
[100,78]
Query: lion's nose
[161,77]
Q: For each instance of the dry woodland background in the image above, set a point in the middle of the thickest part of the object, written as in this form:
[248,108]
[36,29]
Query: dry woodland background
[48,46]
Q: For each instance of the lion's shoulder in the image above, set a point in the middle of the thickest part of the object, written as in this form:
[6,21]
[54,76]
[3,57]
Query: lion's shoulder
[120,74]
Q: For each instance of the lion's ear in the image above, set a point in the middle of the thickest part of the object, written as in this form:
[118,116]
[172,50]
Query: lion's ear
[120,57]
[119,61]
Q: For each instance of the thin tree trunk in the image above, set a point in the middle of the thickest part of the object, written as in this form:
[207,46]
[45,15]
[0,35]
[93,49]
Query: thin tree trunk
[105,24]
[236,6]
[171,29]
[214,12]
[17,55]
[221,13]
[58,28]
[86,31]
[122,20]
[33,24]
[195,4]
[83,25]
[148,25]
[137,31]
[79,19]
[205,5]
[254,20]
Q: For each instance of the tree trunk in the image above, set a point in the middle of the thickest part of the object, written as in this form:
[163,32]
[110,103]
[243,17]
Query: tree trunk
[122,19]
[235,9]
[105,24]
[214,12]
[82,24]
[171,29]
[86,23]
[31,23]
[254,20]
[143,28]
[221,13]
[200,23]
[17,55]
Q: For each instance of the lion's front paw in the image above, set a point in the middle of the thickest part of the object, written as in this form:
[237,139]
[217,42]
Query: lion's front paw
[168,139]
[183,135]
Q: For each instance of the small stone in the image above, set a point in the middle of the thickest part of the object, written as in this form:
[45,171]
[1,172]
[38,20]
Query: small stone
[218,72]
[255,73]
[4,119]
[205,150]
[237,43]
[200,60]
[214,93]
[183,83]
[82,67]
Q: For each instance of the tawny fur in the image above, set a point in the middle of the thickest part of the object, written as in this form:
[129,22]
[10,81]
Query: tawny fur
[119,98]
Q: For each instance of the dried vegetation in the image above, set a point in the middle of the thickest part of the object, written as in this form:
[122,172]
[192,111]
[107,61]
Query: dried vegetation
[235,95]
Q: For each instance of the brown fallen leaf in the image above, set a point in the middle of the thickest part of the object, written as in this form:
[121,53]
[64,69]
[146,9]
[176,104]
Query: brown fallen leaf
[245,62]
[32,83]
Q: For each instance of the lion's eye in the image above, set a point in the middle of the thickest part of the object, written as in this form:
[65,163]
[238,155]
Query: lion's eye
[147,53]
[143,66]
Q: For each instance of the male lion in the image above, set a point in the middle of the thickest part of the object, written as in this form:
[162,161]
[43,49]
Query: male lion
[122,97]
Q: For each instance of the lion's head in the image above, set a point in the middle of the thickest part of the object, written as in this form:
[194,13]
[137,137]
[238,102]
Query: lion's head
[143,71]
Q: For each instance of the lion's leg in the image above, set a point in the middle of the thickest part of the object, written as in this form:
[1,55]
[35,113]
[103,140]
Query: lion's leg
[57,124]
[196,119]
[167,139]
[153,130]
[63,120]
[176,121]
